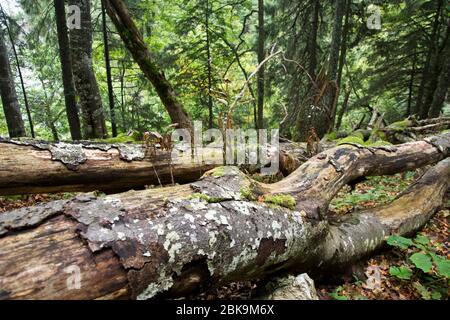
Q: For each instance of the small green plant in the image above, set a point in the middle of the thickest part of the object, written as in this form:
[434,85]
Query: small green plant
[337,294]
[423,265]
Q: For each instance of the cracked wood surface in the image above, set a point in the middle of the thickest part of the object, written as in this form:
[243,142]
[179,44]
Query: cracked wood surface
[41,167]
[171,241]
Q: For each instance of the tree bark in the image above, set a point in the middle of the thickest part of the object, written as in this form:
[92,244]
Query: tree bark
[209,65]
[442,87]
[66,67]
[343,109]
[93,119]
[312,40]
[144,245]
[41,167]
[419,107]
[19,70]
[112,110]
[10,103]
[134,42]
[261,57]
[411,85]
[332,96]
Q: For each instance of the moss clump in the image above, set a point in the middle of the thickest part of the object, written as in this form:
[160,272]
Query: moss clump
[282,200]
[351,140]
[218,172]
[206,198]
[379,143]
[331,136]
[401,125]
[378,135]
[248,194]
[122,138]
[357,134]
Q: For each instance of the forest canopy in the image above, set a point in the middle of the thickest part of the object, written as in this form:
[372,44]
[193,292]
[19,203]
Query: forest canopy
[388,55]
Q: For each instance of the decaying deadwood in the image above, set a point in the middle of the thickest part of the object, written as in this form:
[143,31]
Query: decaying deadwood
[43,167]
[172,241]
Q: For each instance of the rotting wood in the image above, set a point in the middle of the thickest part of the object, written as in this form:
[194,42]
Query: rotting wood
[175,240]
[29,166]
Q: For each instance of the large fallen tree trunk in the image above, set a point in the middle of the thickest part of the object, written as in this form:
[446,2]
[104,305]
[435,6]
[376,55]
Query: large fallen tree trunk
[43,167]
[174,240]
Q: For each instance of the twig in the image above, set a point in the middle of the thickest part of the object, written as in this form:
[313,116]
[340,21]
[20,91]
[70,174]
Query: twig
[247,82]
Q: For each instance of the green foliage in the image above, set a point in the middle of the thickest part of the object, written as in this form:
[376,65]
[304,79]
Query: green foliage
[399,242]
[400,272]
[429,270]
[421,261]
[337,294]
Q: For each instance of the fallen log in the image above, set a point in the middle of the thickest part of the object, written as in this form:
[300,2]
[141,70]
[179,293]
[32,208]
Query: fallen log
[42,167]
[225,227]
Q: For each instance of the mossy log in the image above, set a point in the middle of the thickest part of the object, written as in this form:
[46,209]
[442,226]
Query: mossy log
[43,167]
[170,242]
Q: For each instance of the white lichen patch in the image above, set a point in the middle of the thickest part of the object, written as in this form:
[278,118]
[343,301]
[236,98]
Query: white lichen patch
[160,229]
[189,217]
[212,238]
[121,236]
[164,283]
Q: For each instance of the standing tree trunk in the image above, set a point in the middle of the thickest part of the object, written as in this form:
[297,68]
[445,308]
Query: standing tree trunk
[93,119]
[261,57]
[343,109]
[134,42]
[333,63]
[10,103]
[209,66]
[312,41]
[108,74]
[25,98]
[343,54]
[442,87]
[123,70]
[66,67]
[411,85]
[426,69]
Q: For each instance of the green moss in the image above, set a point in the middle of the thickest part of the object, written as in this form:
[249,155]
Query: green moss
[378,135]
[206,198]
[218,172]
[122,138]
[357,134]
[331,136]
[379,143]
[282,200]
[246,193]
[351,140]
[400,125]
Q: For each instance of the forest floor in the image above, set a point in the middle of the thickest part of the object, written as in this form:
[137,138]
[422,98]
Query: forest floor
[389,275]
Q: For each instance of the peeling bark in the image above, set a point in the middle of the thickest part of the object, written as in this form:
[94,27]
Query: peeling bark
[172,241]
[31,166]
